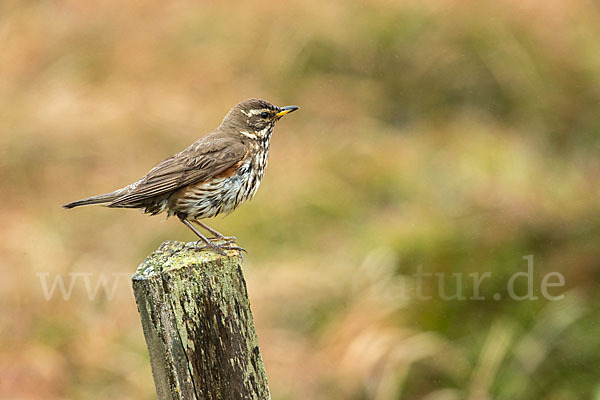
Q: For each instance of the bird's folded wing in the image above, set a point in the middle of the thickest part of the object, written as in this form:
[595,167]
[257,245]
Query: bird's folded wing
[197,163]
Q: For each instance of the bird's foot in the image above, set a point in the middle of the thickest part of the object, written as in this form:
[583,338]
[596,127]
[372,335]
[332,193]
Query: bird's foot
[227,239]
[202,245]
[219,248]
[238,248]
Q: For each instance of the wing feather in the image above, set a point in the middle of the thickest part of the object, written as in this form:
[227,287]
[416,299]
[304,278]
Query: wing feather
[208,157]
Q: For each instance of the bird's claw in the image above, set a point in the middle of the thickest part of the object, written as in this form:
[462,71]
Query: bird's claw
[234,248]
[224,238]
[219,248]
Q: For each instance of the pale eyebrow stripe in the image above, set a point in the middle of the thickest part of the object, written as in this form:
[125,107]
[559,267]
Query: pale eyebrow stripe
[255,112]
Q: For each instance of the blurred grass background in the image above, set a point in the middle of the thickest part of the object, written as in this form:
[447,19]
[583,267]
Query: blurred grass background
[459,136]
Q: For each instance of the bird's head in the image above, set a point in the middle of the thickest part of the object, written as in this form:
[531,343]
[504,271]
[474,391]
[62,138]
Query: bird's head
[255,118]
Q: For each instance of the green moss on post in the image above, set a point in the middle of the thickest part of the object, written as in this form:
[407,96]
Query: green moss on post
[198,325]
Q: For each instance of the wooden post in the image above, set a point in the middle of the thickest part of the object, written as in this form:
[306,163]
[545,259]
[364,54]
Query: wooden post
[198,325]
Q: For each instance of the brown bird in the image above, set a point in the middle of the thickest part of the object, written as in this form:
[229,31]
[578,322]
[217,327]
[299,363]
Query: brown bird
[212,176]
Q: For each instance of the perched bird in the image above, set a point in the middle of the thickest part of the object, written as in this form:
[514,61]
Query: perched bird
[212,176]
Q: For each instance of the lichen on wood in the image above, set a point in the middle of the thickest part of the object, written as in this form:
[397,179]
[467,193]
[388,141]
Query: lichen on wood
[198,325]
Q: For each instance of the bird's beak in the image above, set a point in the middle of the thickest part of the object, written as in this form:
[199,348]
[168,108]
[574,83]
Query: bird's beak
[286,110]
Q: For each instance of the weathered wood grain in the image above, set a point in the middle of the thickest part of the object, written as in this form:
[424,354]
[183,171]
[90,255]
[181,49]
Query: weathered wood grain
[198,325]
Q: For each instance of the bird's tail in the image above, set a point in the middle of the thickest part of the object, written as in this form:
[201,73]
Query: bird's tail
[100,199]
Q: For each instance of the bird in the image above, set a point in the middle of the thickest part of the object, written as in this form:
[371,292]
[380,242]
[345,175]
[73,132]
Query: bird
[212,176]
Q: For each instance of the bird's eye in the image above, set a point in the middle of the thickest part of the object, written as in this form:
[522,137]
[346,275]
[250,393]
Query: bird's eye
[264,114]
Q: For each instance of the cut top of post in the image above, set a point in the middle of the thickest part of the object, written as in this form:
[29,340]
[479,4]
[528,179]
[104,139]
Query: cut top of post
[173,255]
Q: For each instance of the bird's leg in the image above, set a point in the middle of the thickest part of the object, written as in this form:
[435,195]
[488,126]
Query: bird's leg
[209,244]
[217,248]
[217,234]
[228,240]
